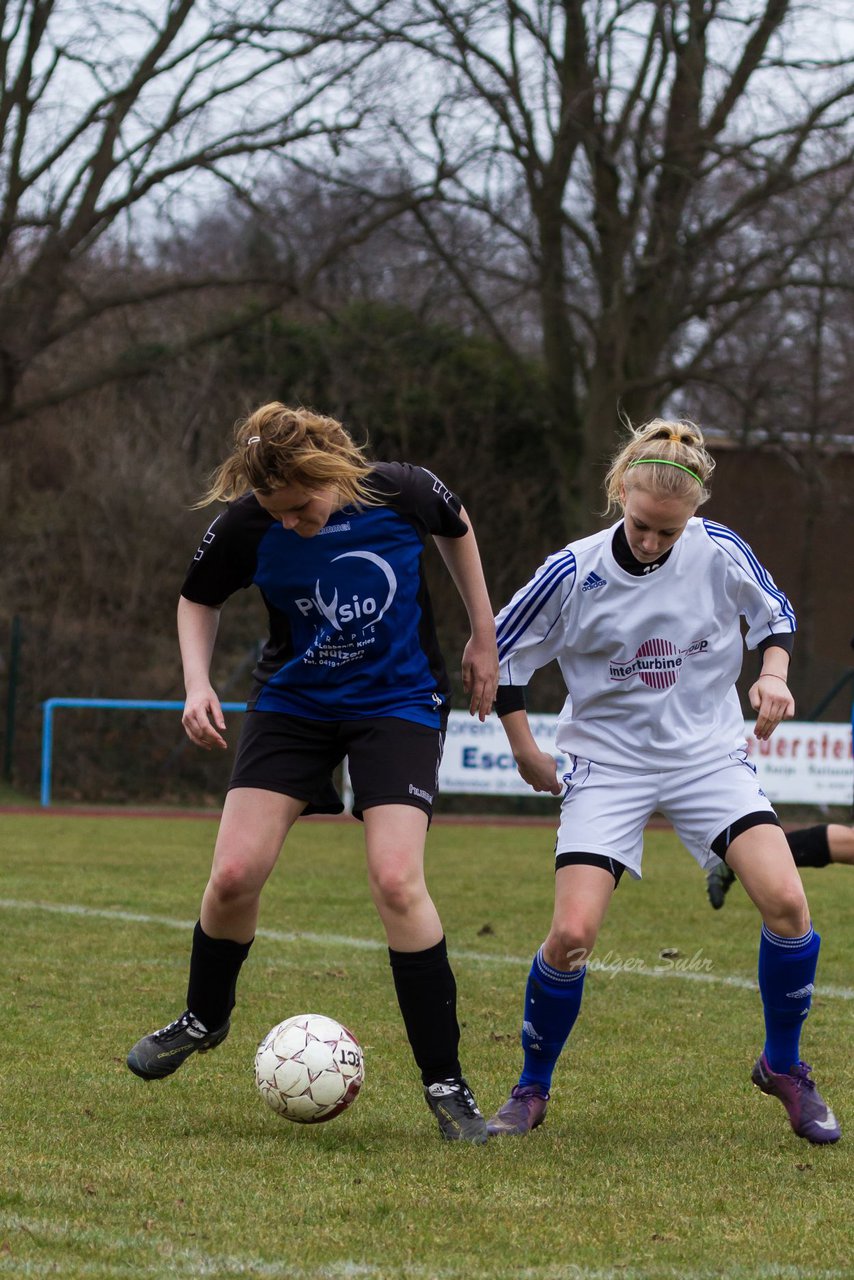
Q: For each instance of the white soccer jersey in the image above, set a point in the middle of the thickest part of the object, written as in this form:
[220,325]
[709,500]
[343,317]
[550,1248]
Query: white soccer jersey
[651,661]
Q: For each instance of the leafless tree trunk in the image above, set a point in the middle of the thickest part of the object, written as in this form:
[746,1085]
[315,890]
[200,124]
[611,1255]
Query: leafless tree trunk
[626,157]
[118,123]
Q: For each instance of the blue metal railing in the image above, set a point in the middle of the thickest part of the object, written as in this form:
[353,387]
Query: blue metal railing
[116,704]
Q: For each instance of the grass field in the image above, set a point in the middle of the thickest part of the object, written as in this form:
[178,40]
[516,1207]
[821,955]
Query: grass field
[658,1158]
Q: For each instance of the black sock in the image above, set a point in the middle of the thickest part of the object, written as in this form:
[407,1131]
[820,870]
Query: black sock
[214,966]
[427,995]
[809,846]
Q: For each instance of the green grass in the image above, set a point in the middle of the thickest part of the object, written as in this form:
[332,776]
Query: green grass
[658,1158]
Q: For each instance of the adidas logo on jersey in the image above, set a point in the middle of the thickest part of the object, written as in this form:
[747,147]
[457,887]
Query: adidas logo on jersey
[592,581]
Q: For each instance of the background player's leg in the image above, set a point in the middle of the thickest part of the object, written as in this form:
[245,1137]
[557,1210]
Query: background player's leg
[840,842]
[818,846]
[719,881]
[810,846]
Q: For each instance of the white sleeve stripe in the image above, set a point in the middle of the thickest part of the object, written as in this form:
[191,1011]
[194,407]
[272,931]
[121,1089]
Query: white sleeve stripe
[522,616]
[721,534]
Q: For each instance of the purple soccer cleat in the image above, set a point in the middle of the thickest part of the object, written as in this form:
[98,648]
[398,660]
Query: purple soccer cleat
[523,1111]
[809,1114]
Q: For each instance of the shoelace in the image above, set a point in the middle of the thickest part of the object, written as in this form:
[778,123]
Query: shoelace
[179,1024]
[527,1091]
[468,1101]
[466,1097]
[802,1075]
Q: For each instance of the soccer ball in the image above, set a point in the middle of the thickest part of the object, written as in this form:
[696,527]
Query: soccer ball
[309,1068]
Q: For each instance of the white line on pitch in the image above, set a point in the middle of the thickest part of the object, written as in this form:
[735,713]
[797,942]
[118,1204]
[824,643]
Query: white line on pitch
[191,1263]
[614,969]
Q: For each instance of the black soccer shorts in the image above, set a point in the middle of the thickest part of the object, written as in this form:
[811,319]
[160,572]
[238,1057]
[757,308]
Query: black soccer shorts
[391,761]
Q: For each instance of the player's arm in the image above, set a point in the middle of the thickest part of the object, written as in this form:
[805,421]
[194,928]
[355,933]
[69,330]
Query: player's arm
[536,767]
[769,696]
[771,627]
[224,563]
[531,634]
[480,656]
[203,720]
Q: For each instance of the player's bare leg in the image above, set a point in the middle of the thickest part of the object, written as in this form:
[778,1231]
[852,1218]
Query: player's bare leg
[763,862]
[554,991]
[252,831]
[788,955]
[253,827]
[394,837]
[582,897]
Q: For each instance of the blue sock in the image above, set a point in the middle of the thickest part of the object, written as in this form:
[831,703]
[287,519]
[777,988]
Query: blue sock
[552,1002]
[786,975]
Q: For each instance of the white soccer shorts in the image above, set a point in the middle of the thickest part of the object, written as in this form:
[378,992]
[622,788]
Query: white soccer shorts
[605,810]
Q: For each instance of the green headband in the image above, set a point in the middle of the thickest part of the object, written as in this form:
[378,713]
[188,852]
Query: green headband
[665,462]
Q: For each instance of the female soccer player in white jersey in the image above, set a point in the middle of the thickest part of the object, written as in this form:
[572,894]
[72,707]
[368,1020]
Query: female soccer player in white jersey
[352,667]
[644,622]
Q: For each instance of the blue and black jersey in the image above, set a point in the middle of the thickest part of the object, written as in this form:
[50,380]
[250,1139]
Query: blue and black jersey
[352,633]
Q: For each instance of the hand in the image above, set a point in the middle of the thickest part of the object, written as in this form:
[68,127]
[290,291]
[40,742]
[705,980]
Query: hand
[539,770]
[202,718]
[480,675]
[771,700]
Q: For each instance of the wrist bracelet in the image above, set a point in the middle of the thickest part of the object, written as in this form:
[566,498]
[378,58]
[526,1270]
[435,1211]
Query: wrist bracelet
[774,675]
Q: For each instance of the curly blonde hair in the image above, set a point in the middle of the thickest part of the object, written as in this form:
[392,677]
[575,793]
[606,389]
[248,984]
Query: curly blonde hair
[277,446]
[667,459]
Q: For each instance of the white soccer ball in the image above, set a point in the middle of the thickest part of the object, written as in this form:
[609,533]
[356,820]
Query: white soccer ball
[309,1068]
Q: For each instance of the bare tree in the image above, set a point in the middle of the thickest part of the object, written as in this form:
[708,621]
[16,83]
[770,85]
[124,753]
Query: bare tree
[624,159]
[781,378]
[119,122]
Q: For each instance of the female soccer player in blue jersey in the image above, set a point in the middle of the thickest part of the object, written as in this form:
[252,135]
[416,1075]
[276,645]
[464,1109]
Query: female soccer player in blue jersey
[644,620]
[351,668]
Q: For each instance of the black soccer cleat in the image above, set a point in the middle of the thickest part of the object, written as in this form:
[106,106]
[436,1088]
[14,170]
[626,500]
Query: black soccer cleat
[164,1051]
[718,882]
[452,1103]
